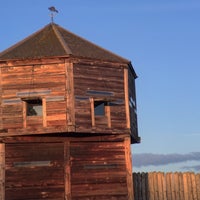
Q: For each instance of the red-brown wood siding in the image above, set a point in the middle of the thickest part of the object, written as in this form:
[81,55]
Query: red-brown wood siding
[98,171]
[62,167]
[34,171]
[29,81]
[67,90]
[106,79]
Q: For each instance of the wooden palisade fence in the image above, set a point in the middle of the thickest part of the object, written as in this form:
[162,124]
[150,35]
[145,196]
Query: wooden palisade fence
[166,186]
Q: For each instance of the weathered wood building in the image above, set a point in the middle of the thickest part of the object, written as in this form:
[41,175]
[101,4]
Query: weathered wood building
[67,119]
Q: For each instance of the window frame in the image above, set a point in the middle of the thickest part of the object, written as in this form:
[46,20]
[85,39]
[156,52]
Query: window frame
[106,113]
[43,114]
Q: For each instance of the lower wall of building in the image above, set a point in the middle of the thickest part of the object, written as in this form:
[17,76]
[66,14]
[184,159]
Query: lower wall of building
[65,168]
[98,170]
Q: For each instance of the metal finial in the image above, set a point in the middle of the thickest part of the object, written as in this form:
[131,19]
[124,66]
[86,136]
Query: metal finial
[53,11]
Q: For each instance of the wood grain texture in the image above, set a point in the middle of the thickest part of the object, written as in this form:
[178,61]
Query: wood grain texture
[34,182]
[68,152]
[63,167]
[98,170]
[127,147]
[104,80]
[66,87]
[169,186]
[45,81]
[126,98]
[2,171]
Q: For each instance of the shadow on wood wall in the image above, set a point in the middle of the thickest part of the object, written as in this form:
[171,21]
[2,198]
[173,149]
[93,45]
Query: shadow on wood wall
[166,186]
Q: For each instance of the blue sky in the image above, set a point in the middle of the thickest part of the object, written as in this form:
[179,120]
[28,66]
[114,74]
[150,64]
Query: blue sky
[162,39]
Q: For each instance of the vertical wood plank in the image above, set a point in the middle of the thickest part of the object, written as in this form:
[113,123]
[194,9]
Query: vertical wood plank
[44,112]
[129,179]
[181,186]
[92,111]
[193,183]
[135,185]
[176,186]
[24,113]
[160,185]
[107,111]
[139,187]
[147,187]
[2,171]
[143,179]
[67,168]
[197,177]
[168,184]
[126,98]
[70,96]
[155,186]
[172,186]
[185,186]
[151,186]
[164,186]
[189,182]
[1,121]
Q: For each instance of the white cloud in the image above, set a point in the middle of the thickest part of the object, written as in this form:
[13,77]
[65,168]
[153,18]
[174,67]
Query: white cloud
[147,159]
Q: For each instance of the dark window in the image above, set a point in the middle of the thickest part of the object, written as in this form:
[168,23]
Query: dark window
[33,107]
[32,164]
[99,108]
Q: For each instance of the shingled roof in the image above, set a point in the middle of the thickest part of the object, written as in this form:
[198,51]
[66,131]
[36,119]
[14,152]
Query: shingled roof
[53,41]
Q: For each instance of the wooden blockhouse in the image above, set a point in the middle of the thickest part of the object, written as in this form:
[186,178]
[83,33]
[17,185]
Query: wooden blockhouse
[67,119]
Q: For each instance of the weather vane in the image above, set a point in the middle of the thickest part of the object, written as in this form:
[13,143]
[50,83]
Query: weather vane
[53,11]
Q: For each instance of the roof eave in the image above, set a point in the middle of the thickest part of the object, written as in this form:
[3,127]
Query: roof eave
[34,58]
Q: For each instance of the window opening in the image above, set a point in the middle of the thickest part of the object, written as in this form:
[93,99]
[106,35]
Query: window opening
[99,108]
[33,107]
[100,113]
[32,164]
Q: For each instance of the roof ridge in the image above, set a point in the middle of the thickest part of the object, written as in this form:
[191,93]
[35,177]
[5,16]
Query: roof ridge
[62,41]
